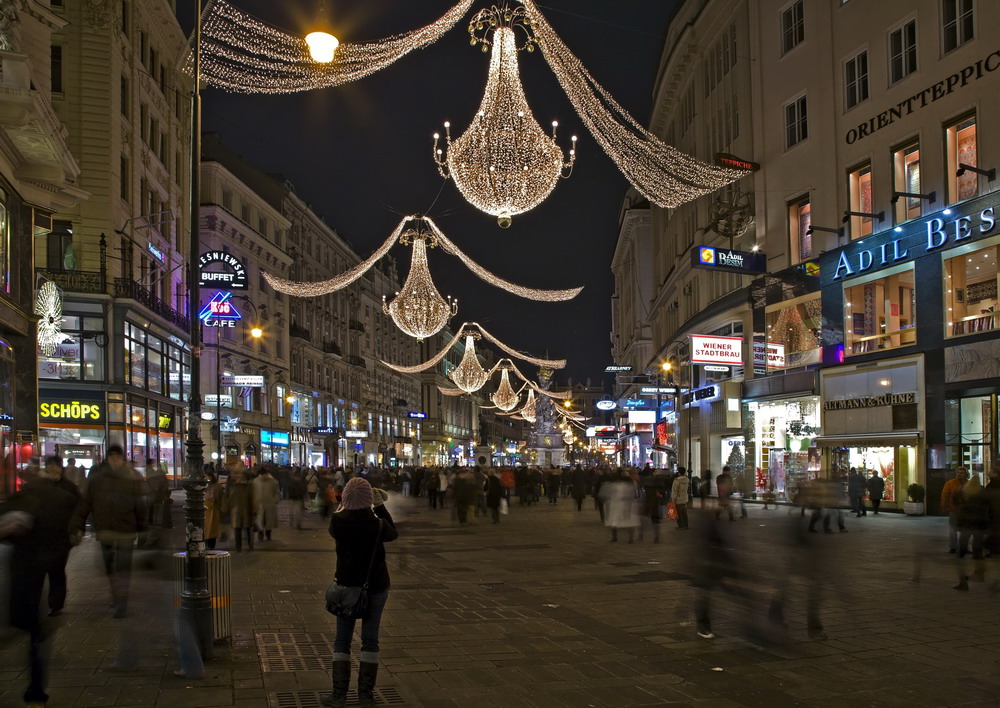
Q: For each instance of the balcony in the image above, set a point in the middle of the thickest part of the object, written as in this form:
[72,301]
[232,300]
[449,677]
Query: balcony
[295,330]
[77,281]
[356,361]
[331,348]
[356,325]
[130,290]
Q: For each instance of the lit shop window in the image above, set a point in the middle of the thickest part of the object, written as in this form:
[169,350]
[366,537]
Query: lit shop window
[80,356]
[960,143]
[860,190]
[880,311]
[794,333]
[906,178]
[799,221]
[971,292]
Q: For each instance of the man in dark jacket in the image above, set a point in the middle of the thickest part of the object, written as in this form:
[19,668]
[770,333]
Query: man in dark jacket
[115,500]
[36,521]
[465,495]
[58,543]
[579,483]
[876,489]
[856,490]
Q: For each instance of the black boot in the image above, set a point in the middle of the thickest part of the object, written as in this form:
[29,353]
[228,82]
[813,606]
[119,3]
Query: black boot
[341,682]
[367,673]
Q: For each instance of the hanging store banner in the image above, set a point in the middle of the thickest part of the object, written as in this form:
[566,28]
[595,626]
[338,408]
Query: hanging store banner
[218,269]
[753,262]
[716,350]
[773,357]
[245,380]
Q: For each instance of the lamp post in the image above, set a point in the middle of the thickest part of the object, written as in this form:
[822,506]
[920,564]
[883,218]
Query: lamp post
[256,332]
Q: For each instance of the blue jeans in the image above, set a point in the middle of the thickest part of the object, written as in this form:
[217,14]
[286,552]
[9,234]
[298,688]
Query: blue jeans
[369,628]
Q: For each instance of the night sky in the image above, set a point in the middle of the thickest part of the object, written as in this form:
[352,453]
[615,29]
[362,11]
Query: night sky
[361,155]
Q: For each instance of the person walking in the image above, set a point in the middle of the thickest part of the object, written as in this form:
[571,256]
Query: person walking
[312,484]
[158,500]
[242,506]
[599,481]
[75,474]
[856,490]
[57,540]
[465,495]
[117,503]
[552,478]
[704,485]
[949,504]
[494,494]
[579,486]
[214,496]
[679,496]
[361,528]
[724,485]
[508,480]
[876,490]
[620,502]
[432,486]
[296,499]
[267,495]
[991,492]
[973,522]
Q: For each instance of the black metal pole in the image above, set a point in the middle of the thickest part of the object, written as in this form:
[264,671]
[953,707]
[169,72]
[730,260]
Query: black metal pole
[196,601]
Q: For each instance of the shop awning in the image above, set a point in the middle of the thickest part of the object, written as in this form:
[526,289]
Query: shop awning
[910,437]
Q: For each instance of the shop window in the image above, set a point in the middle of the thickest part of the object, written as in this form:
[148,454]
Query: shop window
[860,192]
[780,451]
[902,51]
[799,223]
[880,313]
[958,23]
[961,149]
[792,27]
[906,178]
[856,79]
[794,334]
[81,356]
[969,426]
[971,291]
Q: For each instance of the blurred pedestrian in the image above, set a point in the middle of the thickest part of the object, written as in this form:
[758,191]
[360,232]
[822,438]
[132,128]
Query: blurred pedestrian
[552,478]
[312,483]
[267,496]
[826,498]
[856,490]
[992,494]
[465,495]
[242,507]
[703,487]
[949,504]
[116,501]
[724,485]
[158,500]
[679,496]
[494,495]
[620,507]
[579,486]
[214,496]
[296,499]
[876,490]
[432,485]
[360,532]
[973,522]
[75,474]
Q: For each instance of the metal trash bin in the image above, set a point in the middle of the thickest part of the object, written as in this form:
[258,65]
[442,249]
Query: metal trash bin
[218,569]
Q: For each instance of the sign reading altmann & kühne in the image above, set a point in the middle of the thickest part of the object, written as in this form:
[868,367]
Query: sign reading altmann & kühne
[886,399]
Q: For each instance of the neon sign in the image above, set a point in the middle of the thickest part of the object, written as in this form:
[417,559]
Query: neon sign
[220,311]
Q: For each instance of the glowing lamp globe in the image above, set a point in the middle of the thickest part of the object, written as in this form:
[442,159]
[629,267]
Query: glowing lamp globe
[322,46]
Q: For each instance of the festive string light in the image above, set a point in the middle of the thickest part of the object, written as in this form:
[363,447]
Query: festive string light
[528,411]
[419,311]
[49,308]
[505,397]
[243,54]
[338,282]
[504,164]
[469,375]
[663,174]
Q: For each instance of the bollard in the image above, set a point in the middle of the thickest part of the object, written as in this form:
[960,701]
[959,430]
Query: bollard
[219,587]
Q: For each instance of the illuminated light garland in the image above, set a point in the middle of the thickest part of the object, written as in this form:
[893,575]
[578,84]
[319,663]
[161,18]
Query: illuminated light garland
[450,391]
[538,389]
[49,308]
[504,164]
[338,282]
[663,174]
[419,310]
[242,54]
[469,375]
[476,329]
[505,397]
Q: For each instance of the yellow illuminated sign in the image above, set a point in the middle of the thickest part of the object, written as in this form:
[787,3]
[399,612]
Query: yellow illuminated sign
[70,410]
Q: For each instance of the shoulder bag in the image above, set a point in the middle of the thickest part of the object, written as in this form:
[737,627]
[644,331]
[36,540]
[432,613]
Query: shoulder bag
[348,600]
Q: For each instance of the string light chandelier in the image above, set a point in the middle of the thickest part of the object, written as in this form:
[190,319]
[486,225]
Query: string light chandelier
[49,308]
[528,411]
[505,397]
[469,375]
[419,310]
[504,164]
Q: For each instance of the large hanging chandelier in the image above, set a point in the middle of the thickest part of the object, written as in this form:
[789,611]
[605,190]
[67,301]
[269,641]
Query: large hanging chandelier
[505,397]
[469,375]
[528,410]
[419,310]
[504,164]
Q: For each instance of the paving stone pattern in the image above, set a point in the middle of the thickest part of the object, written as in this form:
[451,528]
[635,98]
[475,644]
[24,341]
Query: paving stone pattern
[541,610]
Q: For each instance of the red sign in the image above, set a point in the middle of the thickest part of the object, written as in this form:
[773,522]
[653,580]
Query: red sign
[716,350]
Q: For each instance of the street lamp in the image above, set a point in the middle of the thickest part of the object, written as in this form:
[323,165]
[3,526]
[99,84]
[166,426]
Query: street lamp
[322,44]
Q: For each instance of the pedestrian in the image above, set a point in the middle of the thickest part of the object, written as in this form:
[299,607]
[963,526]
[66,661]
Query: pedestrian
[552,477]
[465,495]
[312,483]
[876,490]
[599,480]
[36,522]
[360,529]
[826,498]
[619,499]
[479,480]
[158,499]
[116,501]
[856,490]
[494,495]
[296,499]
[949,504]
[579,486]
[432,486]
[973,522]
[443,484]
[58,541]
[242,507]
[267,496]
[992,494]
[75,474]
[521,477]
[508,480]
[679,496]
[214,496]
[724,485]
[405,476]
[704,485]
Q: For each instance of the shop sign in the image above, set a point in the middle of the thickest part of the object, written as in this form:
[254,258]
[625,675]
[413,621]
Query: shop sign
[937,232]
[724,159]
[324,431]
[232,450]
[886,399]
[229,425]
[250,449]
[220,311]
[207,415]
[642,417]
[416,414]
[716,350]
[611,368]
[71,410]
[658,390]
[244,380]
[605,405]
[274,437]
[921,99]
[76,453]
[232,277]
[730,260]
[635,403]
[225,400]
[715,369]
[773,355]
[702,395]
[356,434]
[155,252]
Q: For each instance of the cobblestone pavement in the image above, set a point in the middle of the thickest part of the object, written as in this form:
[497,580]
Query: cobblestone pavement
[541,610]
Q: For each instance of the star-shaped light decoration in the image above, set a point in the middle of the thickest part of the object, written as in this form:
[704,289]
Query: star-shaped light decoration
[49,308]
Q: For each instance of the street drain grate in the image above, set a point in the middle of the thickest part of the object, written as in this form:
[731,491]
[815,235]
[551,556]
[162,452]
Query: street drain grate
[293,638]
[310,699]
[281,650]
[295,663]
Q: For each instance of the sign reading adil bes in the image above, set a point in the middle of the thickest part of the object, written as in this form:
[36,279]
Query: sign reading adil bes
[707,349]
[729,260]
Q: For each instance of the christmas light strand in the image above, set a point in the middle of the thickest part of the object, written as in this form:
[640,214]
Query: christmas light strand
[663,174]
[539,389]
[242,54]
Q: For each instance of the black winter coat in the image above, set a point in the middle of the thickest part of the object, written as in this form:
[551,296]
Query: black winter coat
[494,492]
[355,532]
[117,500]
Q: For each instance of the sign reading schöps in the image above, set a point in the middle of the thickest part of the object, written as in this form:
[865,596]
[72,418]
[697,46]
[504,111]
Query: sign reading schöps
[77,409]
